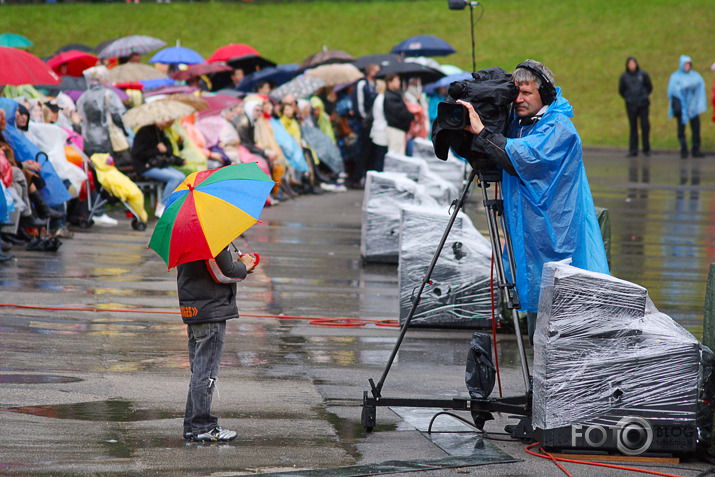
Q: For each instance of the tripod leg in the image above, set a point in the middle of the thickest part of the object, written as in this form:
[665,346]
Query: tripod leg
[493,207]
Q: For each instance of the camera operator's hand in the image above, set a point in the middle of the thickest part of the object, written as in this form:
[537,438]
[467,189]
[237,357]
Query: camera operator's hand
[475,125]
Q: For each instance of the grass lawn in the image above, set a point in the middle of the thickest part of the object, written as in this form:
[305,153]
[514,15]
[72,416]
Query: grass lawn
[584,42]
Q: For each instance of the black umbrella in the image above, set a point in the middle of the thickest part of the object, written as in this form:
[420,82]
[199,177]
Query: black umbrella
[379,59]
[411,70]
[73,46]
[250,63]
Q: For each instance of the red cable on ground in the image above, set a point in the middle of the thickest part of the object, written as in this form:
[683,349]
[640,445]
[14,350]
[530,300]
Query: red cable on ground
[313,320]
[556,460]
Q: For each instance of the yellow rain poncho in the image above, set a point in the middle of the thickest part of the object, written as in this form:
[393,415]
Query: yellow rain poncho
[119,185]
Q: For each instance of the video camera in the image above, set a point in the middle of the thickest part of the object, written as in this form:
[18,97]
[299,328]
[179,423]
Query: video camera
[492,94]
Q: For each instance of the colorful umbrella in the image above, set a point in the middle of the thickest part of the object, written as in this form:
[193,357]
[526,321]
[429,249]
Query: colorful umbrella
[177,55]
[131,44]
[20,67]
[217,103]
[232,50]
[208,210]
[14,40]
[76,61]
[301,87]
[201,69]
[423,45]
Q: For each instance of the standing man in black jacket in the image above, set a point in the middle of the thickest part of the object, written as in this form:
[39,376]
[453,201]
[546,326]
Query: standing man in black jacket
[207,297]
[635,86]
[397,115]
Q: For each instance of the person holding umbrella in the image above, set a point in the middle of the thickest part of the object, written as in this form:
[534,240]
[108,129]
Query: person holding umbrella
[204,215]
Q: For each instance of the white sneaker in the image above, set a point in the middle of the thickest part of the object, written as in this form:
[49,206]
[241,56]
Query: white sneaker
[332,187]
[104,219]
[159,211]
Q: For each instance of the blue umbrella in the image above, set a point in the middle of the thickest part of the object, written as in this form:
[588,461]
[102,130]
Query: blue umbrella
[446,81]
[423,45]
[278,75]
[177,55]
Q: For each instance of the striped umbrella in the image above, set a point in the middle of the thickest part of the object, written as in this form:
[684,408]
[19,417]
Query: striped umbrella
[131,44]
[208,210]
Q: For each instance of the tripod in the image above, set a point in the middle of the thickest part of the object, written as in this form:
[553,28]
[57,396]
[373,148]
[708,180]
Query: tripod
[514,405]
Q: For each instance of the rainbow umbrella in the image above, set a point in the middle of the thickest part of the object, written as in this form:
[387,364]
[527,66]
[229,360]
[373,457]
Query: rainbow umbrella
[208,210]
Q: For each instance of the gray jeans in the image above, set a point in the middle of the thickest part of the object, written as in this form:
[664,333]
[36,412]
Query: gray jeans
[205,351]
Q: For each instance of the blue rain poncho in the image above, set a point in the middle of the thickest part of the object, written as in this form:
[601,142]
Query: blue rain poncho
[549,209]
[291,149]
[689,88]
[54,192]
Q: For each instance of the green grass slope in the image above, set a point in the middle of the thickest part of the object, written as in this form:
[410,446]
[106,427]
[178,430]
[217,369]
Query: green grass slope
[584,42]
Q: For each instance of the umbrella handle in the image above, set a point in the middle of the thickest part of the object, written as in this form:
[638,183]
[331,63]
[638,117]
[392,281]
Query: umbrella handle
[256,256]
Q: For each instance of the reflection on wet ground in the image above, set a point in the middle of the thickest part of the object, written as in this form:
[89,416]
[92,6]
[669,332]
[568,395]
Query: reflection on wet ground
[116,380]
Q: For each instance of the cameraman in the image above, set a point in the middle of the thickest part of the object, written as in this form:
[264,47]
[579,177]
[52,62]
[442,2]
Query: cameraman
[548,206]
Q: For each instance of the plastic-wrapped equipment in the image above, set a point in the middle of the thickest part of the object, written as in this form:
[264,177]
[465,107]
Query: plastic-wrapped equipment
[452,170]
[385,193]
[460,293]
[604,354]
[443,191]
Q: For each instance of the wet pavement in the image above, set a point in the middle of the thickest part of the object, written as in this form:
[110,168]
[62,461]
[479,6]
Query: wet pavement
[95,382]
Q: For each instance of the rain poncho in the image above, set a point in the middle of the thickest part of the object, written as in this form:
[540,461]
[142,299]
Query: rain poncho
[689,88]
[324,122]
[118,184]
[52,139]
[92,109]
[54,192]
[548,208]
[185,148]
[291,149]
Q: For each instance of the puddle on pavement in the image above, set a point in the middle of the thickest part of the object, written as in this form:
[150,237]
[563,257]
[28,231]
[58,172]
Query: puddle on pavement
[36,379]
[101,411]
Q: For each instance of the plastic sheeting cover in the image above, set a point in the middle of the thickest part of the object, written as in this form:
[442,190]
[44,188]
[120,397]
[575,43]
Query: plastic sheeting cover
[602,351]
[385,193]
[452,170]
[460,293]
[443,191]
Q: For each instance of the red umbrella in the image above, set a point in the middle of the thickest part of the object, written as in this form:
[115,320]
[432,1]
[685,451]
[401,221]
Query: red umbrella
[231,51]
[76,61]
[20,67]
[201,69]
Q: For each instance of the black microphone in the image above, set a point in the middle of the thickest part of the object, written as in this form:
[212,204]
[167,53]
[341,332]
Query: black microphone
[457,4]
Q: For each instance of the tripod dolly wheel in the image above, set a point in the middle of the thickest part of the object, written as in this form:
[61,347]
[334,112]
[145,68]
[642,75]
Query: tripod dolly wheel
[369,414]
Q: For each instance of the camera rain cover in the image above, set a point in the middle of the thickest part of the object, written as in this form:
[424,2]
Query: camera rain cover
[492,93]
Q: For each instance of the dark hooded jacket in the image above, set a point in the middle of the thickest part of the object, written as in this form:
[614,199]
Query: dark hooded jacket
[635,87]
[201,298]
[396,112]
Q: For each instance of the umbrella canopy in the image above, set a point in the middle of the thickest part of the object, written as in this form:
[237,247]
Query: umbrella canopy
[336,73]
[377,59]
[209,210]
[134,72]
[423,45]
[199,104]
[411,70]
[156,112]
[232,50]
[73,46]
[15,40]
[301,87]
[278,75]
[176,55]
[446,81]
[173,89]
[20,67]
[217,103]
[76,61]
[326,57]
[201,69]
[131,44]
